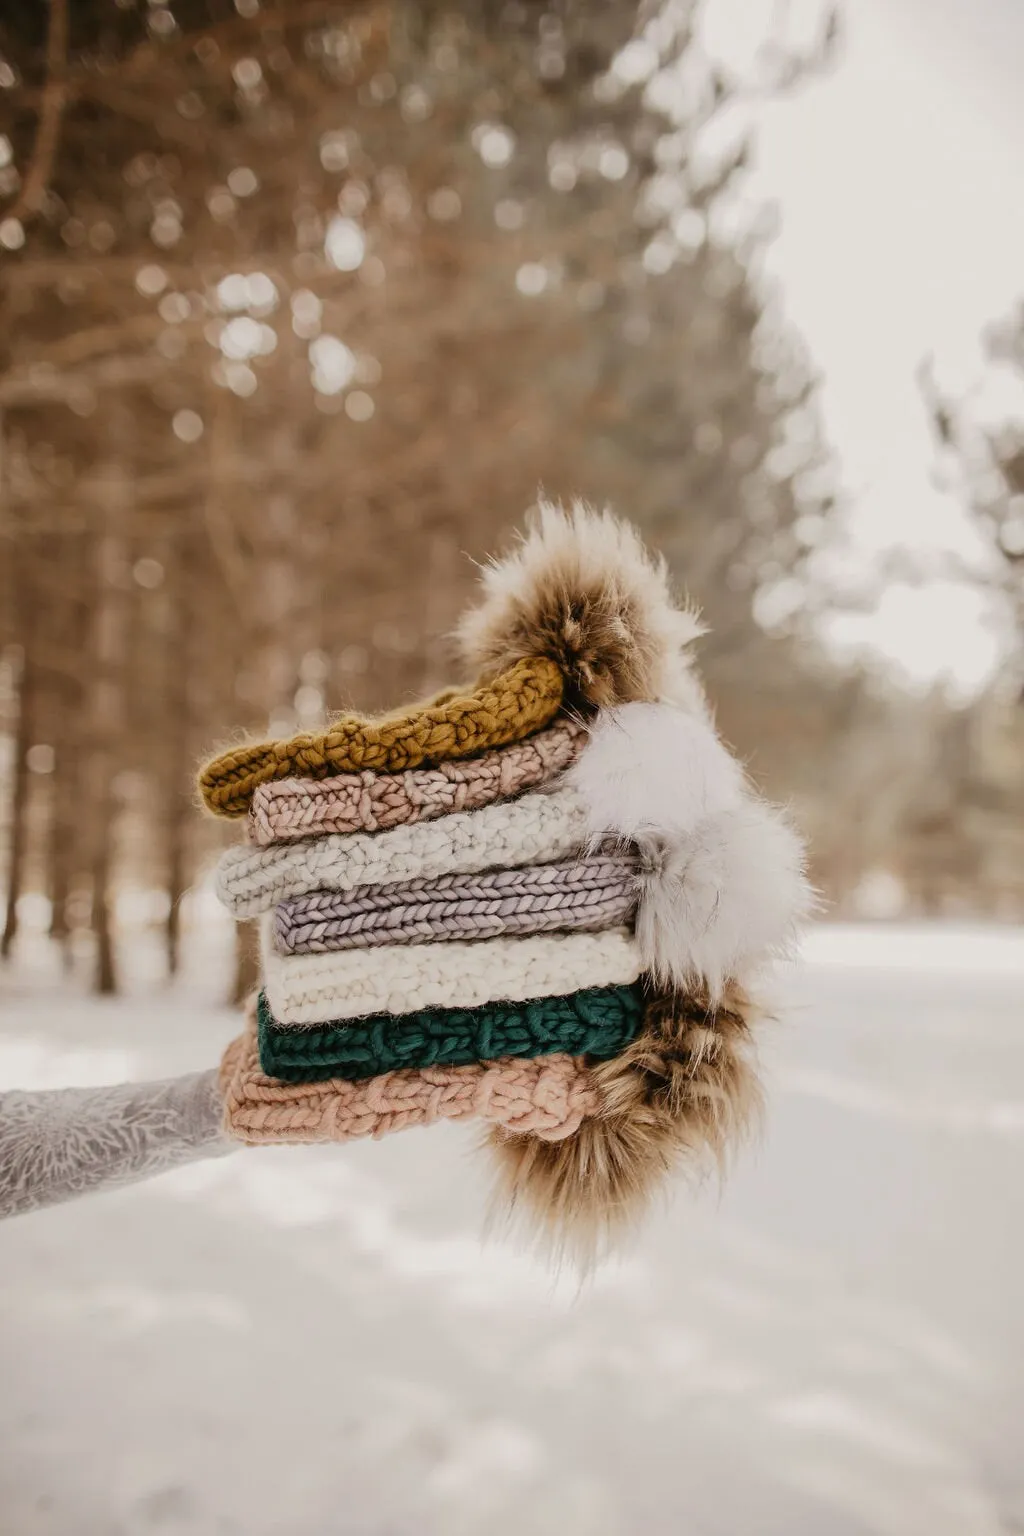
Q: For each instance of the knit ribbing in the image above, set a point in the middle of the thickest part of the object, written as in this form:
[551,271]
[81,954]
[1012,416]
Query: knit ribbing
[514,704]
[571,896]
[598,1023]
[374,802]
[314,989]
[548,1097]
[535,828]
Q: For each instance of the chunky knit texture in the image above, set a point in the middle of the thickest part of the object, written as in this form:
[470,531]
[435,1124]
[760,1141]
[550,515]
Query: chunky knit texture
[578,621]
[512,705]
[597,1023]
[374,802]
[548,1097]
[535,828]
[571,896]
[314,989]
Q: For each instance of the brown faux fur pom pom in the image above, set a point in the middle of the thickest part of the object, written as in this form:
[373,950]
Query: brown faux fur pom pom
[582,589]
[685,1089]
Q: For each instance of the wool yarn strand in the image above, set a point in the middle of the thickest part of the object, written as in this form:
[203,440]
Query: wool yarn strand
[375,802]
[597,1022]
[539,827]
[568,896]
[512,705]
[314,989]
[548,1098]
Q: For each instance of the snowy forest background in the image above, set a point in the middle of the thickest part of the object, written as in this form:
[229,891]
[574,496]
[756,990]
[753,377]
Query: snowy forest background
[300,301]
[299,306]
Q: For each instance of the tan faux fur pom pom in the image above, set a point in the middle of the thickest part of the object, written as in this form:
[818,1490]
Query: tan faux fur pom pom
[681,1098]
[582,590]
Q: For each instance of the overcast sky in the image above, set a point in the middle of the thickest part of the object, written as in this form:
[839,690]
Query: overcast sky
[900,180]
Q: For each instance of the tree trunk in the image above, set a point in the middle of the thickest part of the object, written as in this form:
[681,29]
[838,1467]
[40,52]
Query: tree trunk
[175,893]
[63,729]
[177,755]
[105,976]
[58,852]
[107,715]
[247,970]
[20,786]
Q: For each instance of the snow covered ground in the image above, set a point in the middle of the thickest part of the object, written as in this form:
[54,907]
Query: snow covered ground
[313,1342]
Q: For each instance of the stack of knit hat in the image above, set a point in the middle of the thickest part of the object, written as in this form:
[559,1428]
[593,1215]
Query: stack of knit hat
[538,901]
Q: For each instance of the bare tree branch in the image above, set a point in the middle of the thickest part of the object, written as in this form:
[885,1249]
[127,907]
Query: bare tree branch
[44,153]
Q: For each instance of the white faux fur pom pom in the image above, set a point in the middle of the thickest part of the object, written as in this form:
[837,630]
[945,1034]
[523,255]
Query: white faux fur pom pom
[653,768]
[720,902]
[724,889]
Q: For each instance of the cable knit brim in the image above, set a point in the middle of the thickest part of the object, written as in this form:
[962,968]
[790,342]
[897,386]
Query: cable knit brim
[574,895]
[461,723]
[376,802]
[597,1023]
[535,828]
[549,1098]
[314,989]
